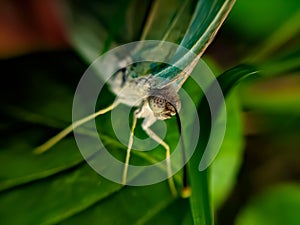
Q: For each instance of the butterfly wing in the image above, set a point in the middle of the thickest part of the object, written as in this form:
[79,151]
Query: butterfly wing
[206,21]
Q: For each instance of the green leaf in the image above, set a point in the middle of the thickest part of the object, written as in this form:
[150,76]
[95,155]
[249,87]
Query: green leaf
[285,62]
[270,96]
[19,165]
[277,205]
[135,206]
[78,185]
[230,155]
[279,38]
[251,20]
[39,100]
[40,202]
[200,198]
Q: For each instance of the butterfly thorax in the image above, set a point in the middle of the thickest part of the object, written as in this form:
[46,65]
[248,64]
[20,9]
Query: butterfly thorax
[136,91]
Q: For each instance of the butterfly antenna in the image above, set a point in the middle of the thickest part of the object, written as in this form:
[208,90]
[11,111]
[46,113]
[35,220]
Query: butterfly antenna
[186,190]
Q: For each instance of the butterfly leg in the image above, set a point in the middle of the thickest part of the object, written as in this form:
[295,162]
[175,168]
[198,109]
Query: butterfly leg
[156,138]
[130,142]
[52,141]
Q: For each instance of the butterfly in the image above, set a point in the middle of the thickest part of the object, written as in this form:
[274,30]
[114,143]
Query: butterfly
[153,87]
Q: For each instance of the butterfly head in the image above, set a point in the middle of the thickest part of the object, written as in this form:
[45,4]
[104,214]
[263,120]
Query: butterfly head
[164,106]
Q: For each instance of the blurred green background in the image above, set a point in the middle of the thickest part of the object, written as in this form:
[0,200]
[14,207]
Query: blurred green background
[44,50]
